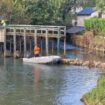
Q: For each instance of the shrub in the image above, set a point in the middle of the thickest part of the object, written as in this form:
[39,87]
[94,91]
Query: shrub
[97,24]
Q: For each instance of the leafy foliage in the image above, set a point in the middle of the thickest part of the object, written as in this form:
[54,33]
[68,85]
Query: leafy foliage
[40,11]
[95,24]
[100,4]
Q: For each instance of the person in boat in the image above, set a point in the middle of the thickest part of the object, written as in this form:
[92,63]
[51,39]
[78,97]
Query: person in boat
[37,50]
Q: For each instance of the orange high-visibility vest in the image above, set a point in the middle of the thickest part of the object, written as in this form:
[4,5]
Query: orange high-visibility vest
[37,50]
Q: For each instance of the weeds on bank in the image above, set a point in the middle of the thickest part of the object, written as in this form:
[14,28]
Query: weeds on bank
[97,95]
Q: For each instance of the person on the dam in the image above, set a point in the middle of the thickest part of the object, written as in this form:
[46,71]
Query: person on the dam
[37,51]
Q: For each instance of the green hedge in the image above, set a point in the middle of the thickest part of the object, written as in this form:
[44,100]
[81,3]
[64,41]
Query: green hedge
[95,24]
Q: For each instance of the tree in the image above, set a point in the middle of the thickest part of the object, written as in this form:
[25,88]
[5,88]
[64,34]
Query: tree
[66,7]
[85,3]
[20,11]
[6,9]
[41,12]
[100,5]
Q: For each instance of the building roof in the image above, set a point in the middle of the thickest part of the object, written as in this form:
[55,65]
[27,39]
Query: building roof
[86,11]
[75,29]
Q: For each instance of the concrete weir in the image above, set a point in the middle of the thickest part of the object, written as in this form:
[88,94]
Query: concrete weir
[22,38]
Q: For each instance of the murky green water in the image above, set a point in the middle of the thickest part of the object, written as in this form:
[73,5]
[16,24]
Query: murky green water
[24,84]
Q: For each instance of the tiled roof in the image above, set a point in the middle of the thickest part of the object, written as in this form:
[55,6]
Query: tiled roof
[86,11]
[75,29]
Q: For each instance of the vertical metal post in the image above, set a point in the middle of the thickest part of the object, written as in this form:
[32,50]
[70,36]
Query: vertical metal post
[25,49]
[58,42]
[14,42]
[35,37]
[46,41]
[4,32]
[65,41]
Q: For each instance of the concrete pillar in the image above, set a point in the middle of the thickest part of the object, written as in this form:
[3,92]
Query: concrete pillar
[30,46]
[52,47]
[4,33]
[47,42]
[20,45]
[65,41]
[58,42]
[10,45]
[25,48]
[14,42]
[64,45]
[35,37]
[41,46]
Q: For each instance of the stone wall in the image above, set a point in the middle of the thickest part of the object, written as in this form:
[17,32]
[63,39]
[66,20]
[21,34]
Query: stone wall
[97,64]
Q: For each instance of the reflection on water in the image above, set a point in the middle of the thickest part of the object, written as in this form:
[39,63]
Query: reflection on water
[24,84]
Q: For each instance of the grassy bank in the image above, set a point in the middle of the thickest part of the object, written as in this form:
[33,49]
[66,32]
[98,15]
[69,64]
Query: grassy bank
[97,95]
[95,44]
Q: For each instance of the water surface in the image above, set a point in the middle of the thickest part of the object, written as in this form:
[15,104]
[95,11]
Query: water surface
[27,84]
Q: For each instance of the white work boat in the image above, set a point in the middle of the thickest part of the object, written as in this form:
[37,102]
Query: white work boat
[43,59]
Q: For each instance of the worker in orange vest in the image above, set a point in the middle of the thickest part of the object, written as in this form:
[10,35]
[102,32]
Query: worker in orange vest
[37,51]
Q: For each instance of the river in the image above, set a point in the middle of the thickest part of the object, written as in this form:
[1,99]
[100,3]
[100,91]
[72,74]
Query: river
[26,84]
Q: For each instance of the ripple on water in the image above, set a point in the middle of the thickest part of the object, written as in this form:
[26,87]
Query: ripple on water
[22,84]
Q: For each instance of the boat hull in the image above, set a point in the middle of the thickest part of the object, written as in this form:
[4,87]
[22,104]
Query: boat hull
[43,59]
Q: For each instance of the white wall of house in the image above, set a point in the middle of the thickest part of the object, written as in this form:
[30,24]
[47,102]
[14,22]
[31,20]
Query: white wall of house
[94,14]
[81,19]
[103,15]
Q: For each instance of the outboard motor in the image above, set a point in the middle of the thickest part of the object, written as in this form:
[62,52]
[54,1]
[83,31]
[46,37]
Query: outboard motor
[28,55]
